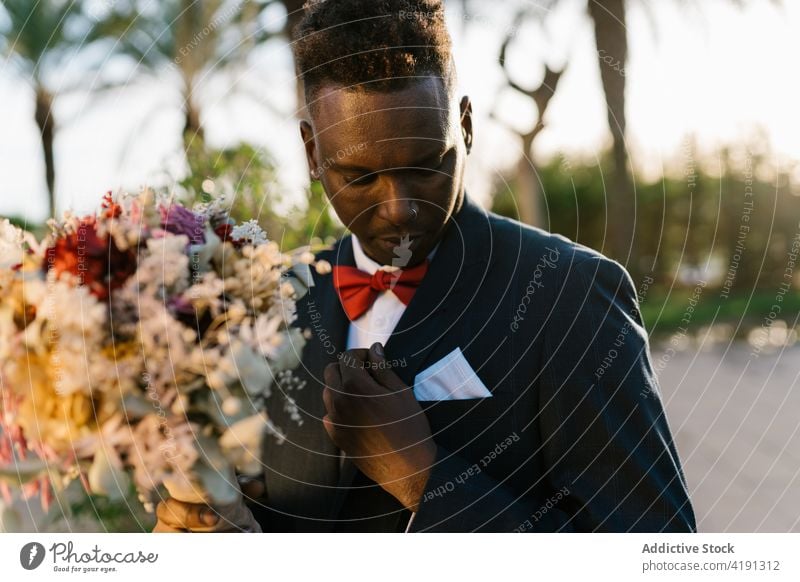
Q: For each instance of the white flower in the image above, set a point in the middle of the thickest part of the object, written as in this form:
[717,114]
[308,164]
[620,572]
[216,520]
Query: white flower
[219,206]
[241,365]
[11,238]
[255,277]
[323,267]
[206,294]
[306,257]
[107,475]
[253,370]
[11,251]
[286,354]
[231,406]
[161,446]
[165,266]
[242,442]
[204,253]
[270,336]
[249,232]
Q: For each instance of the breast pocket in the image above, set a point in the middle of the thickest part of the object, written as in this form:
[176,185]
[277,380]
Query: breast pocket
[450,378]
[470,427]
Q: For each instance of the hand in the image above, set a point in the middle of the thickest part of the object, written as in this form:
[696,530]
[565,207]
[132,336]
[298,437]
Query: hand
[180,517]
[375,419]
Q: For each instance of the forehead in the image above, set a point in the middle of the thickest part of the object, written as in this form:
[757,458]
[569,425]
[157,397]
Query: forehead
[383,127]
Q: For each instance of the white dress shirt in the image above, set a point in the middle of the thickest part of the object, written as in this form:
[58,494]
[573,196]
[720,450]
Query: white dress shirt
[379,321]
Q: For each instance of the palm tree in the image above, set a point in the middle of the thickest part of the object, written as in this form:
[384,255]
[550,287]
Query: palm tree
[609,19]
[194,38]
[294,13]
[36,40]
[611,42]
[182,35]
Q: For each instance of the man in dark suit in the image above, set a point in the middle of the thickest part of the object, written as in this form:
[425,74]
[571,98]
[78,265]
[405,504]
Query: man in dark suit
[508,386]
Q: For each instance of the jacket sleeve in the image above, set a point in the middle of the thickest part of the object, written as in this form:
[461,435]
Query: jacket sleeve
[609,460]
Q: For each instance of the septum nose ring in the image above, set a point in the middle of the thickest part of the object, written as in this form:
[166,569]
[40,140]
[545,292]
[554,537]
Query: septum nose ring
[414,214]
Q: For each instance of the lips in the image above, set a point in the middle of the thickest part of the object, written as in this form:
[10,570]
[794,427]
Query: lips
[397,239]
[398,246]
[410,241]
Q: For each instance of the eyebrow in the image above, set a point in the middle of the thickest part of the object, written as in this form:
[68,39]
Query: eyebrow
[428,160]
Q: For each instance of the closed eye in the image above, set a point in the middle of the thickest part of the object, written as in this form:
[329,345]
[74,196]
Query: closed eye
[360,180]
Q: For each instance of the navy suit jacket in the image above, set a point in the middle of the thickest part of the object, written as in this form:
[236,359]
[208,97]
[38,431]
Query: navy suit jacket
[574,436]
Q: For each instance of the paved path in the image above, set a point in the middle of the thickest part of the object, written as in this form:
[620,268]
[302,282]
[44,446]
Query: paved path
[736,421]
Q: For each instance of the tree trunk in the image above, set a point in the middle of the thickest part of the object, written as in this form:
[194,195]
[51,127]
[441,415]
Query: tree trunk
[192,128]
[528,195]
[294,10]
[612,53]
[46,124]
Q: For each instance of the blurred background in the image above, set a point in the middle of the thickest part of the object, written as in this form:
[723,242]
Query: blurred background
[664,134]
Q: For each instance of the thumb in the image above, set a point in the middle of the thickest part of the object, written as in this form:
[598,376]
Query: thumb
[381,370]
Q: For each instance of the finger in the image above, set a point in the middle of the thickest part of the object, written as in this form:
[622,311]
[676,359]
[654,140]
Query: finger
[333,376]
[191,516]
[252,487]
[329,398]
[330,427]
[380,369]
[355,377]
[355,357]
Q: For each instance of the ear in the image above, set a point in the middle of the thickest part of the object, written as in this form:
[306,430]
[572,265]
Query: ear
[310,144]
[466,122]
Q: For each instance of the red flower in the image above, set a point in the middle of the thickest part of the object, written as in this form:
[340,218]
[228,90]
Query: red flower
[97,262]
[110,208]
[223,231]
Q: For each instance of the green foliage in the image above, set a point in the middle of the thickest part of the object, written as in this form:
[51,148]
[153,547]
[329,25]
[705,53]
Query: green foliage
[247,177]
[126,515]
[663,314]
[36,33]
[732,230]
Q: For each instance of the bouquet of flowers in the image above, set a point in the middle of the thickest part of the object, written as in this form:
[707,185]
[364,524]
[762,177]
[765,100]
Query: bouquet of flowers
[141,345]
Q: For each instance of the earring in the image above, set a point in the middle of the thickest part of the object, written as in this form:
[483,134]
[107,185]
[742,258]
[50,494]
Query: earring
[414,211]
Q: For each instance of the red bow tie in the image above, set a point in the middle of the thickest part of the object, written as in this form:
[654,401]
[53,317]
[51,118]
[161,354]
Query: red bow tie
[358,290]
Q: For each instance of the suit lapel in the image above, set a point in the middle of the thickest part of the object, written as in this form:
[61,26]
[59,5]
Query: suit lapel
[335,322]
[334,319]
[447,291]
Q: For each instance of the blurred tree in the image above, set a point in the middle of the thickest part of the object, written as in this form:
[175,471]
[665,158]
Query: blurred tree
[527,178]
[191,37]
[39,38]
[195,38]
[732,224]
[609,22]
[611,42]
[294,13]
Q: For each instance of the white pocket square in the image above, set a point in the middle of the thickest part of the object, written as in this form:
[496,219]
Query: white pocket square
[451,378]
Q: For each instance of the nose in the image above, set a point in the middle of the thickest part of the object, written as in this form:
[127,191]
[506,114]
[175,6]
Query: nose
[397,206]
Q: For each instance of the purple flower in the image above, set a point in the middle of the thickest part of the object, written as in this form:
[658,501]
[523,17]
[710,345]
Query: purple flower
[179,220]
[180,305]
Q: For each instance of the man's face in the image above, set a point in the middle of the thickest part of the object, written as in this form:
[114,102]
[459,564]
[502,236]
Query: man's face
[392,164]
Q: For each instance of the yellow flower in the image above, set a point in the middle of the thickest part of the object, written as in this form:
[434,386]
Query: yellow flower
[47,416]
